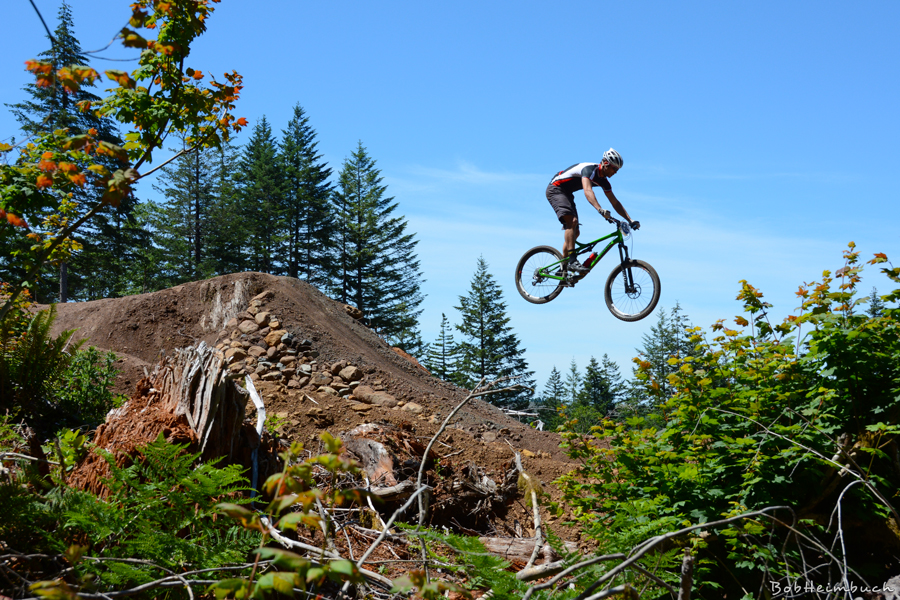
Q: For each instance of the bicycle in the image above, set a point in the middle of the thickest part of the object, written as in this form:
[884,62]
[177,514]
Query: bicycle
[632,288]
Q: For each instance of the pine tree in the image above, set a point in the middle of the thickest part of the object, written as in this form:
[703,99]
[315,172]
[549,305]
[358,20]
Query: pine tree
[307,209]
[377,269]
[603,387]
[667,339]
[261,193]
[181,228]
[443,358]
[573,383]
[552,400]
[876,305]
[491,350]
[98,269]
[227,230]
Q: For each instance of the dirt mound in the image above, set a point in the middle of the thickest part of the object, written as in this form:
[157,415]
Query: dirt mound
[332,372]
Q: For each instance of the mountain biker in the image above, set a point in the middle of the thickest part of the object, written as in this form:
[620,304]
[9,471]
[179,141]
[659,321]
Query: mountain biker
[561,194]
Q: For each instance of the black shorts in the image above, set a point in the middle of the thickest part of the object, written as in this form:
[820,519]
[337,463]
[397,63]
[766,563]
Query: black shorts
[563,202]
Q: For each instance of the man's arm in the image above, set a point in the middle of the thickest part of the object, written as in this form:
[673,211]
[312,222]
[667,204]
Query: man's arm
[589,193]
[617,205]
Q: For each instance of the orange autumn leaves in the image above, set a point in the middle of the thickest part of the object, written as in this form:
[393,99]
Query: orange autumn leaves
[71,77]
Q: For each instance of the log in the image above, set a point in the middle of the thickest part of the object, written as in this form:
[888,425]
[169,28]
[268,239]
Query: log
[520,549]
[401,491]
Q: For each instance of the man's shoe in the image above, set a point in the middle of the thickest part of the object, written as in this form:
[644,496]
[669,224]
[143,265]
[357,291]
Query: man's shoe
[576,268]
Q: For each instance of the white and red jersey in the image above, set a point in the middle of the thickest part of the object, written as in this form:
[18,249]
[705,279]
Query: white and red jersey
[569,180]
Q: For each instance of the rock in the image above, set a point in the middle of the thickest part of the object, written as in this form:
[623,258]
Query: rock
[271,352]
[336,367]
[327,390]
[256,351]
[416,409]
[266,295]
[253,310]
[303,381]
[232,323]
[248,327]
[353,312]
[528,454]
[262,319]
[288,360]
[254,376]
[489,436]
[320,379]
[274,324]
[264,332]
[305,369]
[274,336]
[350,373]
[383,399]
[235,354]
[293,384]
[364,393]
[361,407]
[235,367]
[272,376]
[288,372]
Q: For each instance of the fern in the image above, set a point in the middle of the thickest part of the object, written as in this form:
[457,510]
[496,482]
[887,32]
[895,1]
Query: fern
[160,509]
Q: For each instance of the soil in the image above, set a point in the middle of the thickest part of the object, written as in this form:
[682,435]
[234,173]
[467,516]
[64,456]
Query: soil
[144,328]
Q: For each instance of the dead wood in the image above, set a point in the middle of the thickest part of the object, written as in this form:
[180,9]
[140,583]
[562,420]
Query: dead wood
[520,549]
[188,400]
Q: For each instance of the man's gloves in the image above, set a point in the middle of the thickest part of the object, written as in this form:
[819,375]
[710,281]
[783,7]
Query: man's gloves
[604,213]
[635,224]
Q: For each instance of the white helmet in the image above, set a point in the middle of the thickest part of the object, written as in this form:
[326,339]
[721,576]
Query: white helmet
[613,158]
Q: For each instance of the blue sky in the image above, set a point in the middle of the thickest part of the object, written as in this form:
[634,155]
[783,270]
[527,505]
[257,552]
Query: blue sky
[758,138]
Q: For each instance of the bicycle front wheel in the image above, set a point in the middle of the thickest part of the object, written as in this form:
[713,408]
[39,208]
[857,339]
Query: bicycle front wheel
[531,275]
[632,290]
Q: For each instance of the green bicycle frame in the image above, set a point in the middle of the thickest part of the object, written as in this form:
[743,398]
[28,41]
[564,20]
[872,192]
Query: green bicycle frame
[616,238]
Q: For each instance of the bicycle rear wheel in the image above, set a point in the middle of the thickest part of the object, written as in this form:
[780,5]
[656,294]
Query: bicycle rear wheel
[535,287]
[632,302]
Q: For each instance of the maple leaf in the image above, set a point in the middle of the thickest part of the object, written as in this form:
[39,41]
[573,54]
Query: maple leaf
[138,17]
[109,149]
[121,77]
[47,166]
[14,220]
[67,167]
[131,39]
[78,179]
[92,131]
[43,181]
[242,122]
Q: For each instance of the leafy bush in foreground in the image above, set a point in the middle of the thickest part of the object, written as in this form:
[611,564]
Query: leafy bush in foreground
[772,416]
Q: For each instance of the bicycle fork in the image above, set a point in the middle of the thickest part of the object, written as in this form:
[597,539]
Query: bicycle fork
[627,276]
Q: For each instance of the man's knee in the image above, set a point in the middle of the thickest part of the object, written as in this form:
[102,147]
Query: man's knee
[570,222]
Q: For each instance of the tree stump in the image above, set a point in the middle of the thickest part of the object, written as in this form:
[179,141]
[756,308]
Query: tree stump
[189,400]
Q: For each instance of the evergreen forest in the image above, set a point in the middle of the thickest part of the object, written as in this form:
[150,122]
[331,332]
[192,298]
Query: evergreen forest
[755,459]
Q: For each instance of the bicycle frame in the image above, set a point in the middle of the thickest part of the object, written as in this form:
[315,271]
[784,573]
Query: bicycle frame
[614,238]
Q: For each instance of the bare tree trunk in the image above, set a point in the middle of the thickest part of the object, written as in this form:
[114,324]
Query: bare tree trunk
[63,283]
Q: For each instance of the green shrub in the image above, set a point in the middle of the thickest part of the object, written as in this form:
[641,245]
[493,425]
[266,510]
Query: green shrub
[159,509]
[755,420]
[32,363]
[83,392]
